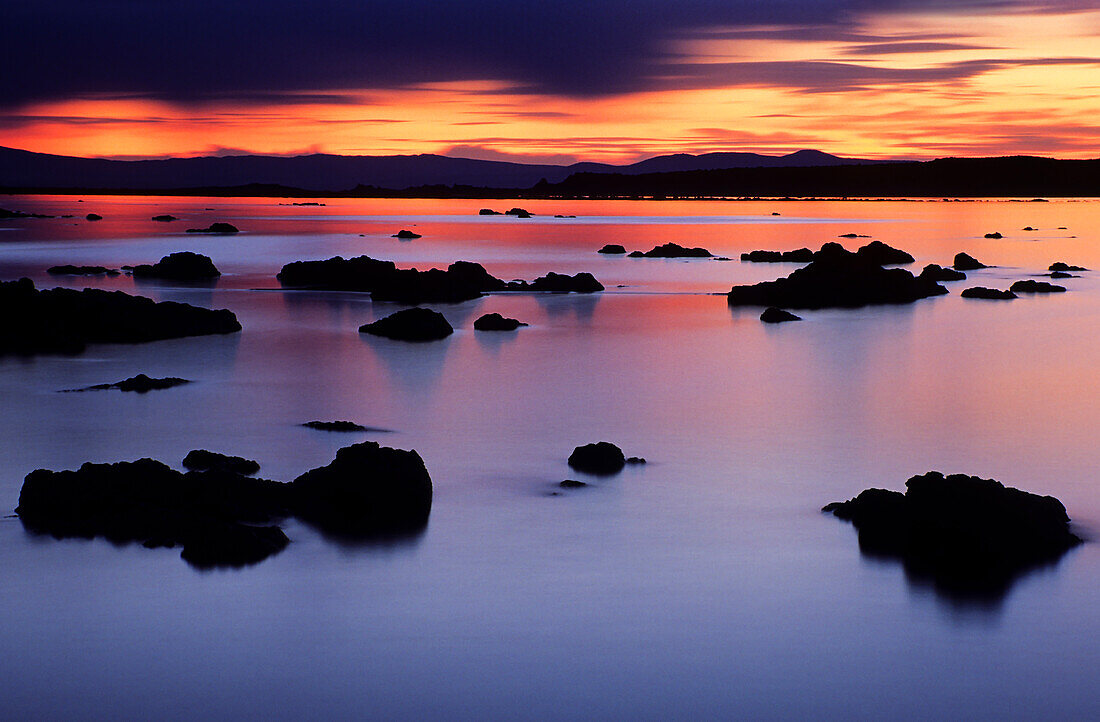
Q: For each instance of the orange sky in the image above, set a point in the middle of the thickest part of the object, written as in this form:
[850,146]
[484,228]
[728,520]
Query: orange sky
[929,85]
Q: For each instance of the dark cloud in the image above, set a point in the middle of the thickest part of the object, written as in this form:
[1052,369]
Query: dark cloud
[248,51]
[893,48]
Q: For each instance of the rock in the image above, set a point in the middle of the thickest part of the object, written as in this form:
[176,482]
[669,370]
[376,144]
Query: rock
[488,212]
[612,248]
[572,484]
[777,315]
[165,218]
[334,426]
[367,491]
[967,534]
[635,254]
[69,270]
[518,213]
[1030,286]
[216,228]
[496,322]
[635,460]
[406,234]
[559,283]
[562,215]
[801,255]
[1029,228]
[1060,266]
[884,255]
[853,235]
[94,217]
[140,383]
[993,235]
[410,324]
[837,278]
[674,250]
[64,320]
[181,266]
[1060,274]
[775,213]
[5,214]
[599,458]
[939,274]
[966,262]
[203,460]
[991,294]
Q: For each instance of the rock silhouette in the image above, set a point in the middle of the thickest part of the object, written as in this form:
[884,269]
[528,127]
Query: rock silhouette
[882,254]
[559,283]
[778,315]
[165,218]
[991,294]
[63,320]
[488,212]
[93,217]
[837,278]
[406,234]
[334,426]
[518,213]
[967,534]
[1063,267]
[410,324]
[180,266]
[140,383]
[600,458]
[673,250]
[203,460]
[69,270]
[216,228]
[496,322]
[1030,286]
[966,262]
[939,274]
[572,484]
[801,255]
[995,235]
[612,248]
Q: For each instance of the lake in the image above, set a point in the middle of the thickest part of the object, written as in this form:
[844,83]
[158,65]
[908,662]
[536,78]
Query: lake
[705,584]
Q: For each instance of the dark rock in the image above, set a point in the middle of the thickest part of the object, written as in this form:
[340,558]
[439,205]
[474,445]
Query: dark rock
[599,458]
[461,281]
[777,315]
[612,248]
[518,213]
[94,217]
[1060,266]
[991,294]
[884,255]
[853,235]
[496,322]
[140,383]
[165,218]
[488,212]
[203,460]
[837,278]
[635,254]
[69,270]
[1030,286]
[216,228]
[966,262]
[635,460]
[63,320]
[1060,274]
[775,213]
[572,484]
[1029,228]
[181,266]
[367,491]
[801,255]
[406,234]
[559,283]
[994,235]
[562,215]
[674,250]
[967,534]
[5,214]
[939,274]
[410,324]
[334,426]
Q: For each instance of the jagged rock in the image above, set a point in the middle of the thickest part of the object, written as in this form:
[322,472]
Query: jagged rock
[599,458]
[939,274]
[406,234]
[559,283]
[181,266]
[778,315]
[94,217]
[203,460]
[64,320]
[488,212]
[216,228]
[410,324]
[674,250]
[967,534]
[518,213]
[70,270]
[1030,286]
[612,248]
[334,426]
[140,383]
[995,235]
[1060,266]
[165,218]
[991,294]
[966,262]
[496,322]
[837,278]
[884,255]
[801,255]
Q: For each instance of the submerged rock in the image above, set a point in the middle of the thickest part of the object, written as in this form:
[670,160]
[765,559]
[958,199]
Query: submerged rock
[334,426]
[496,322]
[572,484]
[612,248]
[939,274]
[674,250]
[1030,286]
[966,262]
[801,255]
[410,324]
[1063,267]
[5,214]
[966,533]
[69,270]
[600,458]
[837,278]
[140,383]
[203,460]
[180,266]
[778,315]
[216,228]
[64,320]
[635,460]
[406,234]
[991,294]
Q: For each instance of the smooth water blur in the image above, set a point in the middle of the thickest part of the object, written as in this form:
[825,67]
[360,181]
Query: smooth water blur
[706,583]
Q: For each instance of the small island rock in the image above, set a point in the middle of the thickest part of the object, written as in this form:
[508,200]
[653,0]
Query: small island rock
[991,294]
[496,322]
[777,315]
[966,262]
[410,324]
[612,248]
[180,266]
[600,458]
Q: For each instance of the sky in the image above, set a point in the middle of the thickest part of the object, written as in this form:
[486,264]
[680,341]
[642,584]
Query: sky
[557,82]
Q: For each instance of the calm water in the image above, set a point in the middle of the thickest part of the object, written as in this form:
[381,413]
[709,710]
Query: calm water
[705,584]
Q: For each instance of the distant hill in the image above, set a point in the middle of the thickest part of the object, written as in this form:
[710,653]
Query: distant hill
[321,172]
